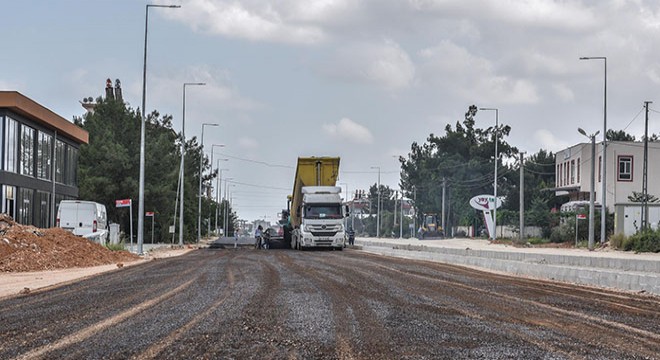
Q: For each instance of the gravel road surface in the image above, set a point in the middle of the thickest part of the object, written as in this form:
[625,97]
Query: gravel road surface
[245,303]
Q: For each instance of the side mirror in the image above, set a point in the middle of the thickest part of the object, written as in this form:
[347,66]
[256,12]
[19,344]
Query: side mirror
[348,211]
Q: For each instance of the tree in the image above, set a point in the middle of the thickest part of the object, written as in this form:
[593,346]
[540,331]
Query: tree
[464,160]
[619,135]
[109,166]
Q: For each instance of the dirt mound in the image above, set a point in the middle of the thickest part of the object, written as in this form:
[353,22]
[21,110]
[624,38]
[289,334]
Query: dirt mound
[27,248]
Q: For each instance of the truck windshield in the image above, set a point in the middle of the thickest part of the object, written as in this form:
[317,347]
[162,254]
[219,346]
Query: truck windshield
[323,211]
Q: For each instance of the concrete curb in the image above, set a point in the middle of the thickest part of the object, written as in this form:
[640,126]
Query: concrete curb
[608,272]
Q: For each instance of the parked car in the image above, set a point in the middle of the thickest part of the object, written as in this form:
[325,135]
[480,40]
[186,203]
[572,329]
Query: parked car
[275,236]
[84,218]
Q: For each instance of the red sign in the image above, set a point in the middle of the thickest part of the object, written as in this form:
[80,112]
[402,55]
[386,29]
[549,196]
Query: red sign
[149,213]
[581,216]
[123,203]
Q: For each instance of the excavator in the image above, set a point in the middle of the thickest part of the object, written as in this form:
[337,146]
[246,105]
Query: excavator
[430,229]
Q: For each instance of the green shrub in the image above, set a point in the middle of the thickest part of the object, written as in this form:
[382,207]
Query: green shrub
[562,233]
[644,241]
[617,241]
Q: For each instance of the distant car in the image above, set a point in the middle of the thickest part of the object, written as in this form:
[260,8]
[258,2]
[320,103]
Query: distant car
[275,236]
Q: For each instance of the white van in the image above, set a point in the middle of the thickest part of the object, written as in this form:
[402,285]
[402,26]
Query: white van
[84,218]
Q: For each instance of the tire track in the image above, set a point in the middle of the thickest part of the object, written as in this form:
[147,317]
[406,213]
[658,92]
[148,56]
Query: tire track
[563,321]
[89,331]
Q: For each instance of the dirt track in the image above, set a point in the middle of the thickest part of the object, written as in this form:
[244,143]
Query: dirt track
[248,303]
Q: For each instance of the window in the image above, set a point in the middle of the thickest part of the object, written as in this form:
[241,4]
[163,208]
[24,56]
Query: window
[60,148]
[42,216]
[71,173]
[557,177]
[66,163]
[25,206]
[625,168]
[323,211]
[572,172]
[9,206]
[600,167]
[578,170]
[26,165]
[11,148]
[44,149]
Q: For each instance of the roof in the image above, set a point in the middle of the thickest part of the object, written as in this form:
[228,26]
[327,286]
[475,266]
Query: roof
[24,106]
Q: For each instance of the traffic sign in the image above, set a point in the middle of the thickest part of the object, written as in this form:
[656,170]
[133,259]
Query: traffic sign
[149,213]
[581,216]
[123,203]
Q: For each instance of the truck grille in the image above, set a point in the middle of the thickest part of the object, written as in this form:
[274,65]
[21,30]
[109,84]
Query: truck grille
[324,233]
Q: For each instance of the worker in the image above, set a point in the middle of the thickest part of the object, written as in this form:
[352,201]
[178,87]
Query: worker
[258,234]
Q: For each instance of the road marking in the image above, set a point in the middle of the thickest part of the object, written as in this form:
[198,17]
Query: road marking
[95,328]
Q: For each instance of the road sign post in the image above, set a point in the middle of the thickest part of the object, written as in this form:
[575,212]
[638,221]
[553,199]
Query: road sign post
[127,203]
[151,213]
[578,217]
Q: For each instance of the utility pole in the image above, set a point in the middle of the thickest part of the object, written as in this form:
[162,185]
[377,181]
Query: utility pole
[444,188]
[645,183]
[522,198]
[401,216]
[396,195]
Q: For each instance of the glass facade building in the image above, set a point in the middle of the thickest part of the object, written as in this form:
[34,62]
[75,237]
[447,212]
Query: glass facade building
[39,164]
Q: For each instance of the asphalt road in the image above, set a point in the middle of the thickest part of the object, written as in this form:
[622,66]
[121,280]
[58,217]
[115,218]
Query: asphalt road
[245,303]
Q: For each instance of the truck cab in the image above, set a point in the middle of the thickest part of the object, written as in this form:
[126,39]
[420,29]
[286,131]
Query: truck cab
[321,219]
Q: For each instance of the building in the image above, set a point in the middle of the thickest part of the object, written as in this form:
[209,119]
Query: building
[39,159]
[624,172]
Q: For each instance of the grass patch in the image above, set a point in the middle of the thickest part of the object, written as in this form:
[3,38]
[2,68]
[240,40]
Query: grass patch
[116,247]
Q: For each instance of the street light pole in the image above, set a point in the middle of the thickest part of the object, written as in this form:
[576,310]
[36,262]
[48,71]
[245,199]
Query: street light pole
[226,203]
[494,235]
[183,156]
[142,130]
[218,191]
[603,210]
[378,211]
[592,195]
[199,203]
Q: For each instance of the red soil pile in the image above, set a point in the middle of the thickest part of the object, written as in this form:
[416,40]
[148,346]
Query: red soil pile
[27,248]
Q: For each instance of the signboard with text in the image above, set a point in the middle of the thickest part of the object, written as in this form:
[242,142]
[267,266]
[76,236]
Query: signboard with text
[123,203]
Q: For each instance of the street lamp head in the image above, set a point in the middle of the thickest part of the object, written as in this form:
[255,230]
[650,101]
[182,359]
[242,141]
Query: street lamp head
[164,6]
[582,132]
[597,132]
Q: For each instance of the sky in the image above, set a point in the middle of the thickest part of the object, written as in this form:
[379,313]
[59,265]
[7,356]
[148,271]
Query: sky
[358,79]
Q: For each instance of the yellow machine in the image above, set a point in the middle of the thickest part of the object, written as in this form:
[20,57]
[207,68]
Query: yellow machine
[430,228]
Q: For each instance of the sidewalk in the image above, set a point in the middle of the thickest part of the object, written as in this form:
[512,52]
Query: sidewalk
[12,284]
[603,268]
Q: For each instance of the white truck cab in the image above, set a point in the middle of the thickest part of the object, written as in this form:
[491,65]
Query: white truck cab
[322,223]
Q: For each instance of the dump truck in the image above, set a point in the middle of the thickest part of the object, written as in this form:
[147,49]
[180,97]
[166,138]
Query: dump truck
[315,211]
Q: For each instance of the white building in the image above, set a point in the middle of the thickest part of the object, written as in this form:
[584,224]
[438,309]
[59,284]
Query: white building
[625,168]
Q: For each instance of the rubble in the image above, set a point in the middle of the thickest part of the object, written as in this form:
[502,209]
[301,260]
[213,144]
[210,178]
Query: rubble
[27,248]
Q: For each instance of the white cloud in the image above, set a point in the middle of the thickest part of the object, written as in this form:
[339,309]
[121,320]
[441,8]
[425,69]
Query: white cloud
[473,77]
[547,140]
[252,20]
[349,130]
[564,92]
[386,65]
[247,143]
